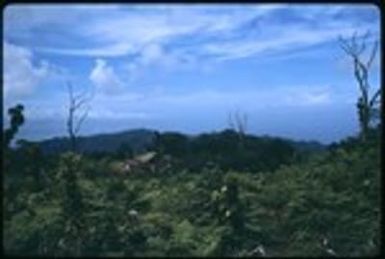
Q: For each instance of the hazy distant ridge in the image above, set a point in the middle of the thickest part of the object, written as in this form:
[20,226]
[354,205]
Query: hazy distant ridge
[138,140]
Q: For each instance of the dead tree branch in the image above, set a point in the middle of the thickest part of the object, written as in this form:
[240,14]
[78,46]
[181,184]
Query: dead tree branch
[238,123]
[77,104]
[366,103]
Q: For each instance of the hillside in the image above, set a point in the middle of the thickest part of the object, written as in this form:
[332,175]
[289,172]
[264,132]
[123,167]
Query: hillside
[224,149]
[215,194]
[141,139]
[138,140]
[325,206]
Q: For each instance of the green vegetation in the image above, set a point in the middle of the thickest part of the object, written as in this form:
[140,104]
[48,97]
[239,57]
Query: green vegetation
[260,197]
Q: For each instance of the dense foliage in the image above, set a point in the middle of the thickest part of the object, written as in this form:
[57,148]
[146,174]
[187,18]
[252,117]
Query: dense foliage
[72,204]
[225,150]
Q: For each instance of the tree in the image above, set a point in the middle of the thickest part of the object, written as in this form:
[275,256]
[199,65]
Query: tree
[366,104]
[32,159]
[17,119]
[238,123]
[73,200]
[76,104]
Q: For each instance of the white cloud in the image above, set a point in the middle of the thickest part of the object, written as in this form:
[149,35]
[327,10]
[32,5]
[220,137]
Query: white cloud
[155,55]
[108,113]
[176,36]
[118,32]
[277,97]
[293,37]
[21,75]
[309,97]
[28,16]
[122,32]
[105,78]
[320,98]
[161,103]
[152,53]
[111,50]
[155,26]
[120,106]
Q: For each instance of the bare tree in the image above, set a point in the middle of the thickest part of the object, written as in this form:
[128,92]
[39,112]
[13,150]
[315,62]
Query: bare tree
[73,200]
[238,122]
[77,104]
[366,104]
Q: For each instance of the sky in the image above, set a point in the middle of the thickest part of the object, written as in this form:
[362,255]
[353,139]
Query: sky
[184,67]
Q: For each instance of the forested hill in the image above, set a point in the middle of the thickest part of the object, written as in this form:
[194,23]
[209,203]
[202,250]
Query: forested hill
[139,140]
[328,205]
[218,194]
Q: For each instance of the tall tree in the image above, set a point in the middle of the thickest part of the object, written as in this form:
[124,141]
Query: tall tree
[73,200]
[238,122]
[367,103]
[77,104]
[17,119]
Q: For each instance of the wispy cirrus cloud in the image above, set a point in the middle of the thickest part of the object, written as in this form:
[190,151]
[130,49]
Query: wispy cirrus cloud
[120,33]
[124,31]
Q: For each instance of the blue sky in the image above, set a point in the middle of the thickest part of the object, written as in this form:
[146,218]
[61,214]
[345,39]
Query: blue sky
[186,67]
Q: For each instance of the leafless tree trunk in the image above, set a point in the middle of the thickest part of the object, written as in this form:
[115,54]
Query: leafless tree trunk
[366,104]
[73,203]
[238,123]
[76,104]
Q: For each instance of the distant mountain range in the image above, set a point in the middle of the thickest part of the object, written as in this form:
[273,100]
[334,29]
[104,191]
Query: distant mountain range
[138,140]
